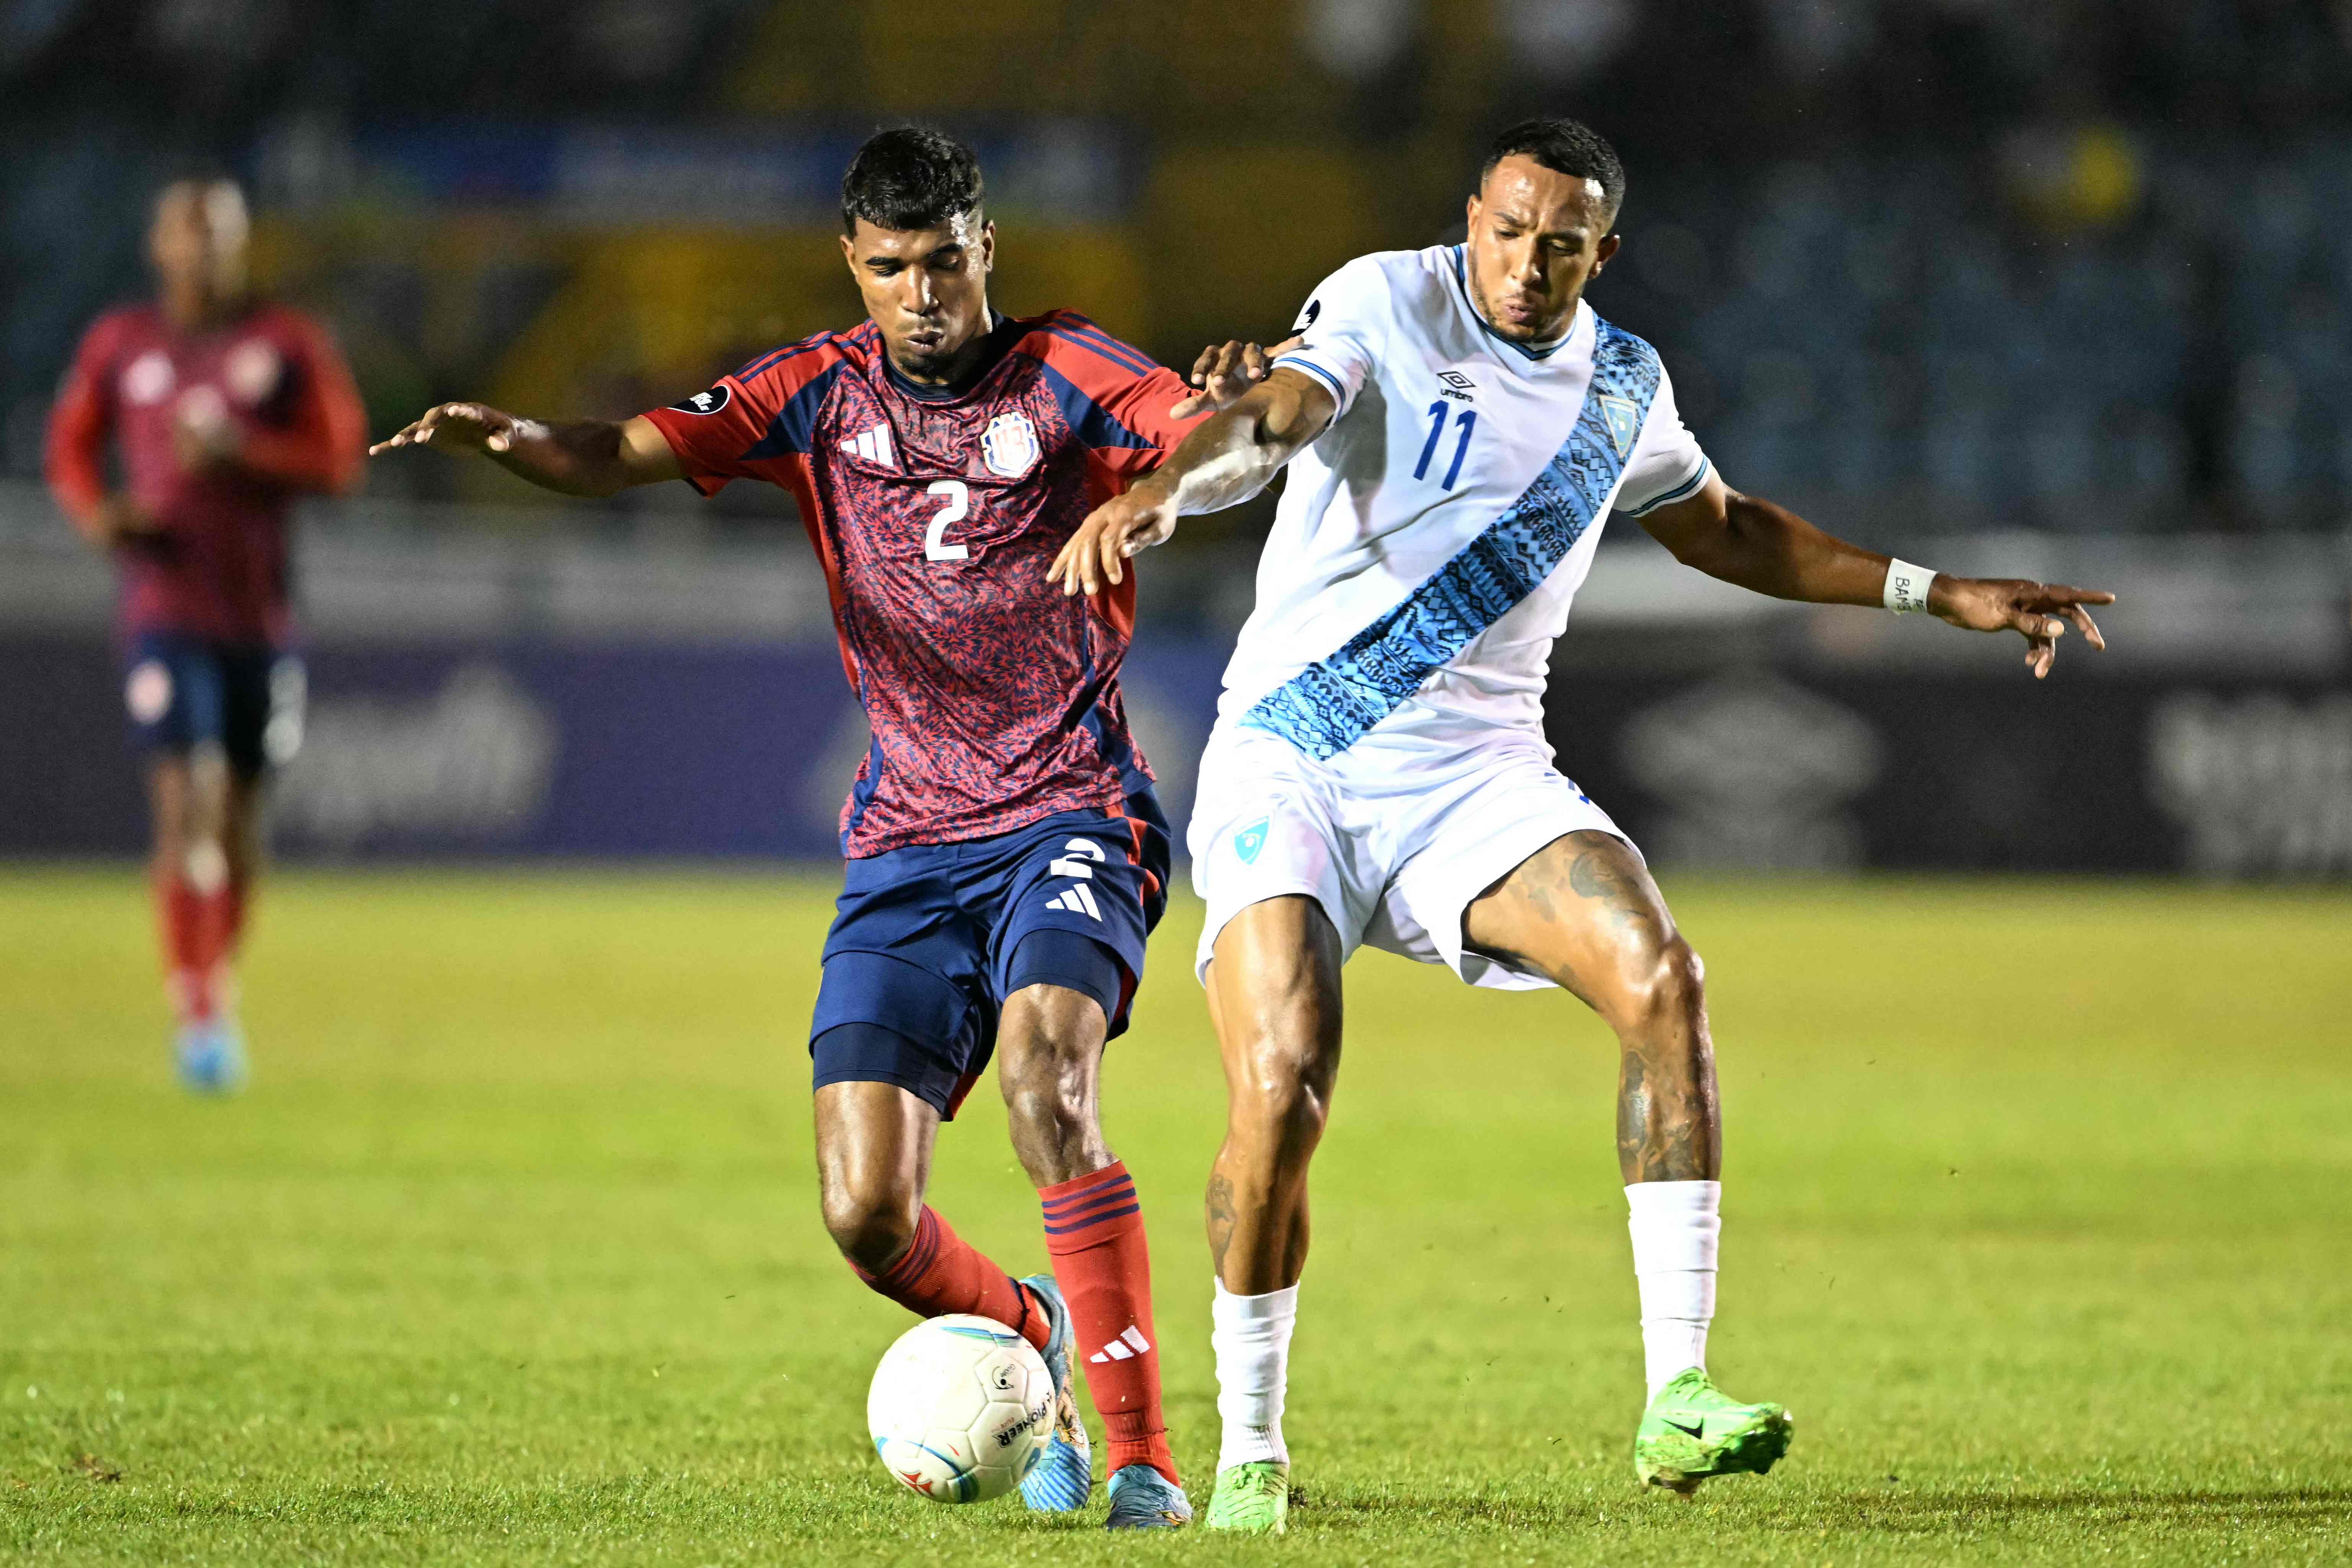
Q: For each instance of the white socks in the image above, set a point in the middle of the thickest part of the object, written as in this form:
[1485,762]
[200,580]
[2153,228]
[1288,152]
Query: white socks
[1252,1338]
[1675,1227]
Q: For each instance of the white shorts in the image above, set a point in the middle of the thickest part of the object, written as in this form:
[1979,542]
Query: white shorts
[1395,841]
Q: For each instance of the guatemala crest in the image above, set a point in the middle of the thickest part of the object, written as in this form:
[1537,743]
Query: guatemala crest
[1009,445]
[1251,839]
[1624,421]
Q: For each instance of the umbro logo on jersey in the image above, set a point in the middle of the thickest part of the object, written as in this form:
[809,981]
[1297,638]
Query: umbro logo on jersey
[1078,901]
[874,446]
[1454,385]
[1127,1347]
[1624,421]
[710,402]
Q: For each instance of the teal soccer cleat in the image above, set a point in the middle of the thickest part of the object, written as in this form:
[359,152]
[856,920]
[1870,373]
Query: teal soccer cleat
[1693,1430]
[1064,1476]
[210,1053]
[1143,1499]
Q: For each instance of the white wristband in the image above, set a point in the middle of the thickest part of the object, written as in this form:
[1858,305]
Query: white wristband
[1907,586]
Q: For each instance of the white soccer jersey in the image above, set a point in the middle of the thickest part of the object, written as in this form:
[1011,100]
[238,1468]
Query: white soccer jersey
[1428,543]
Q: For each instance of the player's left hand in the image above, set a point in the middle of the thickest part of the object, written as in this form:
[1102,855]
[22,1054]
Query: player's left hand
[1097,553]
[1225,372]
[2040,611]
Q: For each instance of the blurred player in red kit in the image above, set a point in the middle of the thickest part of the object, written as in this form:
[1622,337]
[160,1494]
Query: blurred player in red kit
[1006,856]
[220,409]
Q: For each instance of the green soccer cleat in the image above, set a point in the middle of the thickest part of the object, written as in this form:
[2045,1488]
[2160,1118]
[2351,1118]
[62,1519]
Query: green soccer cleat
[1693,1430]
[1253,1497]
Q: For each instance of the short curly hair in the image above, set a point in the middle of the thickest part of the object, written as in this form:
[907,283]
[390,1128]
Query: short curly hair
[910,177]
[1566,147]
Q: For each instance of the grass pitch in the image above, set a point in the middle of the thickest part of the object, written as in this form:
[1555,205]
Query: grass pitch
[2037,1209]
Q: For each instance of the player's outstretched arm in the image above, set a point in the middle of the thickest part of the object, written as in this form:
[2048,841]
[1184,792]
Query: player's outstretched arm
[1225,374]
[588,457]
[1770,549]
[1222,463]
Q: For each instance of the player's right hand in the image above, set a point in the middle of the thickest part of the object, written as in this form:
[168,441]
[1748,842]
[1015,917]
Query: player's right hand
[457,428]
[1225,374]
[2039,611]
[1097,553]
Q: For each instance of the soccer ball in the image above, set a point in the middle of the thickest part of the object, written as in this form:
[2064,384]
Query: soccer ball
[960,1409]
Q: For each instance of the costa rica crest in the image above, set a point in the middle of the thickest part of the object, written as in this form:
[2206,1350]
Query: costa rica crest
[1009,445]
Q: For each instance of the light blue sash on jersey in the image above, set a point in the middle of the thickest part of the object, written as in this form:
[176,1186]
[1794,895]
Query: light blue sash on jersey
[1327,707]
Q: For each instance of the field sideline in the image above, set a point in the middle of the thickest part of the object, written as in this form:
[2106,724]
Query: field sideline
[2036,1216]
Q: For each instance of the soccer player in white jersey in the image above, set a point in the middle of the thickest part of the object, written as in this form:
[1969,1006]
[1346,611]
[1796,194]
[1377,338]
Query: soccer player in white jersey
[1458,424]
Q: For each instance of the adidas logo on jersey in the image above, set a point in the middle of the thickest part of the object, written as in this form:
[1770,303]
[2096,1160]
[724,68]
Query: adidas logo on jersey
[1078,901]
[1127,1347]
[874,446]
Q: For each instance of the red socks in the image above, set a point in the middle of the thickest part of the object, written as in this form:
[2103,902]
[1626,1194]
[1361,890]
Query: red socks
[1094,1230]
[941,1272]
[199,931]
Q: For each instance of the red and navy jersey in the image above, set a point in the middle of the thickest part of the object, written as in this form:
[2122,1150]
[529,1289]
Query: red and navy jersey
[215,565]
[994,698]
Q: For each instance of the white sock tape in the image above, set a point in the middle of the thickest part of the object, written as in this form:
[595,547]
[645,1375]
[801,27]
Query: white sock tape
[1907,586]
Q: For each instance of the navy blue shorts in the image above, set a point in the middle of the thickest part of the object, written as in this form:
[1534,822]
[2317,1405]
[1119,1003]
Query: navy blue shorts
[929,940]
[185,692]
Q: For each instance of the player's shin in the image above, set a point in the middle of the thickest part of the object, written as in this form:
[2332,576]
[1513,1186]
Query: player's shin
[1675,1227]
[939,1272]
[1094,1230]
[186,922]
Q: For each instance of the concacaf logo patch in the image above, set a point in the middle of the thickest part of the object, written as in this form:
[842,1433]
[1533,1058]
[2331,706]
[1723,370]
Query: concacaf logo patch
[710,402]
[1009,445]
[1250,840]
[1624,422]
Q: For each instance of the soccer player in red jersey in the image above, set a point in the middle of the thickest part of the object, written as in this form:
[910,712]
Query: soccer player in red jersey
[1006,856]
[223,409]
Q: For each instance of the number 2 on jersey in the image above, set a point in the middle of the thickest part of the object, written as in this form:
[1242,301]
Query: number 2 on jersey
[935,545]
[1469,419]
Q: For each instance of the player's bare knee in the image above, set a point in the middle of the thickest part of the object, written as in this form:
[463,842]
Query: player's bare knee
[872,1224]
[1666,986]
[1047,1068]
[1283,1094]
[1047,1111]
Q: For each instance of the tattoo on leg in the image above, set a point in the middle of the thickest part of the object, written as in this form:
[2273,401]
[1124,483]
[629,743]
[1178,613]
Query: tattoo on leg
[1662,1134]
[1221,1217]
[1593,875]
[1632,1114]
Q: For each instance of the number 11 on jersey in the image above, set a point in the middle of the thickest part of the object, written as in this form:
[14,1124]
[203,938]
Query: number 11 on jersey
[1468,421]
